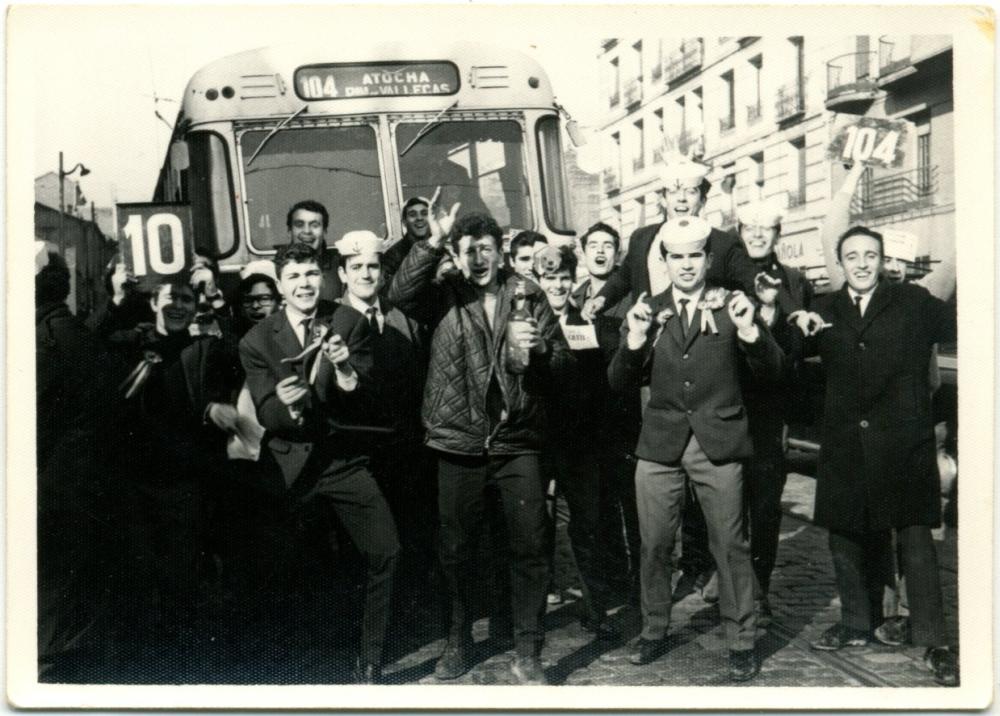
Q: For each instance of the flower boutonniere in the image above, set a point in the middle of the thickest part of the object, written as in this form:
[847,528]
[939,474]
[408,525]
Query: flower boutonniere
[135,380]
[712,300]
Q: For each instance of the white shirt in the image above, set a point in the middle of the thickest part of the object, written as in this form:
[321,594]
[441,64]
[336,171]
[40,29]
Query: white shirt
[659,281]
[865,298]
[364,308]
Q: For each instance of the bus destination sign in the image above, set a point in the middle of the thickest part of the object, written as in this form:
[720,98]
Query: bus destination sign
[376,79]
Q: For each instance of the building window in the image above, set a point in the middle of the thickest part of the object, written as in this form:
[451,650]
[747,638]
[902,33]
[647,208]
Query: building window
[797,190]
[615,83]
[658,137]
[639,157]
[757,169]
[924,167]
[753,109]
[727,117]
[862,62]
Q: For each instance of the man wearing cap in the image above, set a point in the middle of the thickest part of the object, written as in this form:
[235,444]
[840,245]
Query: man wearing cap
[308,368]
[399,367]
[781,291]
[307,223]
[877,473]
[690,341]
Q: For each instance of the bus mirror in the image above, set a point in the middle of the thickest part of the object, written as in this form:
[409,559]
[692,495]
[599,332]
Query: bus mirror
[575,135]
[179,157]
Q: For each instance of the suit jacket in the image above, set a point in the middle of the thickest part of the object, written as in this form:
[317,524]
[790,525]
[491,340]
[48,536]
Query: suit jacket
[330,415]
[694,384]
[877,463]
[731,266]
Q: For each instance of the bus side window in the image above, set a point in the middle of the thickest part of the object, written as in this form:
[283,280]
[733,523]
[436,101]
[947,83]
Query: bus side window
[208,187]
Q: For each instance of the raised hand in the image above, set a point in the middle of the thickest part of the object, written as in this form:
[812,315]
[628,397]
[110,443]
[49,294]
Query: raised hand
[336,351]
[741,311]
[593,306]
[639,319]
[291,391]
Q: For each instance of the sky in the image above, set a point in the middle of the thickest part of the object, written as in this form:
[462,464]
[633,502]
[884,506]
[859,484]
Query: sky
[102,73]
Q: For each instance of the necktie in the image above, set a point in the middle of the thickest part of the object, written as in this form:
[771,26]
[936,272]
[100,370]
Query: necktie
[857,305]
[684,316]
[304,333]
[373,319]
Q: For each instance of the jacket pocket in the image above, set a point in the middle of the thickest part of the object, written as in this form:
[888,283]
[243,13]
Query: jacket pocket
[729,412]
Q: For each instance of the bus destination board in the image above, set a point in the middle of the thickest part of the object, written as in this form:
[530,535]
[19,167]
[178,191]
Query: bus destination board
[375,79]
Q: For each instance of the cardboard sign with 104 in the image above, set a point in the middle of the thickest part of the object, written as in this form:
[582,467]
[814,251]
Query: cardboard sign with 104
[872,141]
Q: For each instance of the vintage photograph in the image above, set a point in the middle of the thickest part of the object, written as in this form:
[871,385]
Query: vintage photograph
[622,356]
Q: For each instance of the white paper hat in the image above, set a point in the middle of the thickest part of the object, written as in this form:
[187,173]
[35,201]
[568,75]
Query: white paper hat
[359,242]
[685,233]
[680,172]
[899,244]
[41,256]
[259,268]
[759,213]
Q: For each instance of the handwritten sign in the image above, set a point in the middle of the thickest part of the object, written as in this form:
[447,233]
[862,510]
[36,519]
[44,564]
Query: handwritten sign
[156,241]
[376,79]
[873,142]
[580,338]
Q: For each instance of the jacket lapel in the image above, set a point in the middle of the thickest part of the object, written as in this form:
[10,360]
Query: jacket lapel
[847,311]
[288,342]
[880,299]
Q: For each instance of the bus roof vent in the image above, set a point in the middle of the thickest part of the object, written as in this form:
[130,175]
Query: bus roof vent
[489,77]
[260,86]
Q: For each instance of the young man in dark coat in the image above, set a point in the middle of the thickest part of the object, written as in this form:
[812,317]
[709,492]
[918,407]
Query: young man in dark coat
[307,223]
[314,410]
[691,341]
[415,228]
[878,464]
[485,422]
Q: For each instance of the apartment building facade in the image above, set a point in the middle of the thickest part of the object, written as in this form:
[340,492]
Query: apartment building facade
[761,110]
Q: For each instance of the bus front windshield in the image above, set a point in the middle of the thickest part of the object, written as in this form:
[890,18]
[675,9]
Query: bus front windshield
[336,166]
[477,163]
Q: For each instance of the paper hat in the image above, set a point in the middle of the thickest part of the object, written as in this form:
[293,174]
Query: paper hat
[41,256]
[259,268]
[680,172]
[685,233]
[759,213]
[899,244]
[359,242]
[549,259]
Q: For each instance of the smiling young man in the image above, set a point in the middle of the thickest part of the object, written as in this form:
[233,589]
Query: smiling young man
[877,470]
[314,410]
[307,223]
[523,248]
[485,423]
[690,341]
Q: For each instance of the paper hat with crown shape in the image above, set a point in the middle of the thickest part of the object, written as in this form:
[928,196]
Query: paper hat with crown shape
[355,243]
[683,234]
[760,213]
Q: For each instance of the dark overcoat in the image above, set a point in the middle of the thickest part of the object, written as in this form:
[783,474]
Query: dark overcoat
[877,463]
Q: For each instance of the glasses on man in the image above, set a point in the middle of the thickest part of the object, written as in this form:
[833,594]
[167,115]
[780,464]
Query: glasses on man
[266,300]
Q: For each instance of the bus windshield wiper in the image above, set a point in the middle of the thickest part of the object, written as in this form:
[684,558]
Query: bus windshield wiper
[277,128]
[427,127]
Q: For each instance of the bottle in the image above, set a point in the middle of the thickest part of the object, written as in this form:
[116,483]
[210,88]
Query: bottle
[518,356]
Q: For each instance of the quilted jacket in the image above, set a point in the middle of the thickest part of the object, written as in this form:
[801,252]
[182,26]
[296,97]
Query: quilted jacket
[472,405]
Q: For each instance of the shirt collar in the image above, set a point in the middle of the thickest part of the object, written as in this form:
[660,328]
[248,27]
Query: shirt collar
[361,306]
[295,316]
[694,298]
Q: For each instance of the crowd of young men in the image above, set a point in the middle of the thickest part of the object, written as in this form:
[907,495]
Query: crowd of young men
[428,390]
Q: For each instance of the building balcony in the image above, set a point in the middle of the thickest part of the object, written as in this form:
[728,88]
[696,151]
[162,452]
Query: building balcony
[796,197]
[685,62]
[608,43]
[614,99]
[638,164]
[611,180]
[790,102]
[633,92]
[747,40]
[850,83]
[726,124]
[895,193]
[894,58]
[754,113]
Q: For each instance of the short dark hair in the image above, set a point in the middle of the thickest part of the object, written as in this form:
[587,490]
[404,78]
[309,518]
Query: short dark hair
[859,231]
[475,224]
[52,282]
[252,280]
[309,205]
[413,201]
[181,280]
[601,227]
[526,238]
[297,252]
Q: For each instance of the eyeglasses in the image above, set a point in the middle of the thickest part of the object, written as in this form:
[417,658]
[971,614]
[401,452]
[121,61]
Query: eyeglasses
[258,300]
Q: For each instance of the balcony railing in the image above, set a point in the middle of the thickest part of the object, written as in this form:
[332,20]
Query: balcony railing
[687,60]
[726,124]
[611,182]
[614,99]
[753,113]
[893,53]
[796,197]
[850,77]
[895,193]
[633,92]
[790,101]
[656,72]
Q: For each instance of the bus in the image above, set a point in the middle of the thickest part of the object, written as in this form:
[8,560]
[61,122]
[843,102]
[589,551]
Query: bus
[362,133]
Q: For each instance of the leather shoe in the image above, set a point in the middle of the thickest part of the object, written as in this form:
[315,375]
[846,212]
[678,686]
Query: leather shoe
[743,664]
[944,663]
[528,671]
[838,636]
[894,631]
[365,673]
[454,660]
[646,651]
